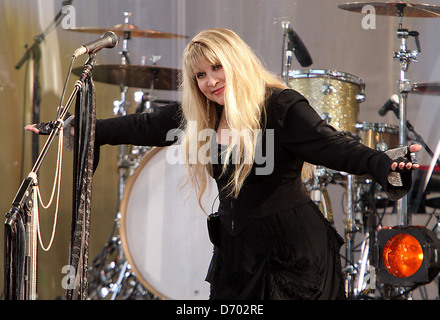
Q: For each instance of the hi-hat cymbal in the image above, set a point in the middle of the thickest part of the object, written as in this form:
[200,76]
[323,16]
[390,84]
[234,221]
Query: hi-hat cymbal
[432,88]
[415,10]
[136,76]
[130,30]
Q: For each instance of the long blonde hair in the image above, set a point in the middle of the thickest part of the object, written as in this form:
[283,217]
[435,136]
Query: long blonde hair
[245,92]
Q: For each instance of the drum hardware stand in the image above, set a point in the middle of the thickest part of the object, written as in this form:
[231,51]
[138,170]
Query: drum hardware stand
[405,57]
[145,98]
[24,287]
[127,36]
[316,187]
[350,229]
[368,254]
[322,200]
[360,276]
[116,277]
[120,109]
[365,251]
[369,250]
[120,267]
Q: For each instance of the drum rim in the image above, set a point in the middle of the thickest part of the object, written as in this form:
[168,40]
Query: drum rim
[326,73]
[376,126]
[123,209]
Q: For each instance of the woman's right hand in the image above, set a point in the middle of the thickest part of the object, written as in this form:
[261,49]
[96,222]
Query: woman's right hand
[42,128]
[45,128]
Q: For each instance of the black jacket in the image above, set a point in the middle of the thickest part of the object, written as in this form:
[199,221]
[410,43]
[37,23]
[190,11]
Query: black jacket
[299,134]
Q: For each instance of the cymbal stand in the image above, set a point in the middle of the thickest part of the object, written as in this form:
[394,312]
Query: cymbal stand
[361,213]
[120,109]
[366,205]
[349,237]
[363,264]
[113,276]
[103,271]
[112,273]
[145,98]
[405,57]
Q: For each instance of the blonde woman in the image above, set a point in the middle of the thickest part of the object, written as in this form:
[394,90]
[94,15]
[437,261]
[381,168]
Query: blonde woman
[272,242]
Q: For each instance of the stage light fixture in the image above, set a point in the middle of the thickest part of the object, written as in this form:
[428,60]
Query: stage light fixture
[408,256]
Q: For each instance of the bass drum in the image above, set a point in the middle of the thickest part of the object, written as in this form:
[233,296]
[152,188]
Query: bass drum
[163,229]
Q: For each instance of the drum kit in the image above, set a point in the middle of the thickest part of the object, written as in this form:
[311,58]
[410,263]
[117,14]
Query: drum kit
[336,97]
[146,258]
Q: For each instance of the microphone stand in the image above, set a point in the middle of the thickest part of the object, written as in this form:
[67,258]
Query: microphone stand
[417,137]
[39,38]
[417,200]
[33,54]
[20,281]
[287,53]
[420,140]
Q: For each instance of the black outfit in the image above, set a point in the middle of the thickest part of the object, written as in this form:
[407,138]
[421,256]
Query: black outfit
[274,242]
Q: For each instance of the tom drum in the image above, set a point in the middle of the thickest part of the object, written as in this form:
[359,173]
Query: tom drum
[334,95]
[378,136]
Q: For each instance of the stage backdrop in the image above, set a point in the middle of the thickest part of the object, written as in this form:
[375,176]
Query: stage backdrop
[336,39]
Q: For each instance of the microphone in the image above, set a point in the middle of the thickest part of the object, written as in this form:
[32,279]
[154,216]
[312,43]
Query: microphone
[297,46]
[107,40]
[391,104]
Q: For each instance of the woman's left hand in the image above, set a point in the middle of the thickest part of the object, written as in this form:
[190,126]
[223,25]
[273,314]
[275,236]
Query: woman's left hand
[408,165]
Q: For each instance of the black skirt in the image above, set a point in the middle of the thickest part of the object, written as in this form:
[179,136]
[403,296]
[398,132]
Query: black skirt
[293,254]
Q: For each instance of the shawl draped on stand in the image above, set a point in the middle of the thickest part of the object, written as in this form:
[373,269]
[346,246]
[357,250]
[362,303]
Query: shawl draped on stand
[85,120]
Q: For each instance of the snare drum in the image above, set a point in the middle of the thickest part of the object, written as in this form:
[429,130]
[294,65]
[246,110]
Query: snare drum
[334,95]
[163,229]
[379,136]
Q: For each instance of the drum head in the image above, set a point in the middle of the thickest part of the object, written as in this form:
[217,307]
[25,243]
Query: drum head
[163,229]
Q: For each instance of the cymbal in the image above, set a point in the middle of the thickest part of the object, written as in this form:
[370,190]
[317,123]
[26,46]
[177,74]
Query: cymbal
[432,88]
[131,30]
[136,76]
[415,10]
